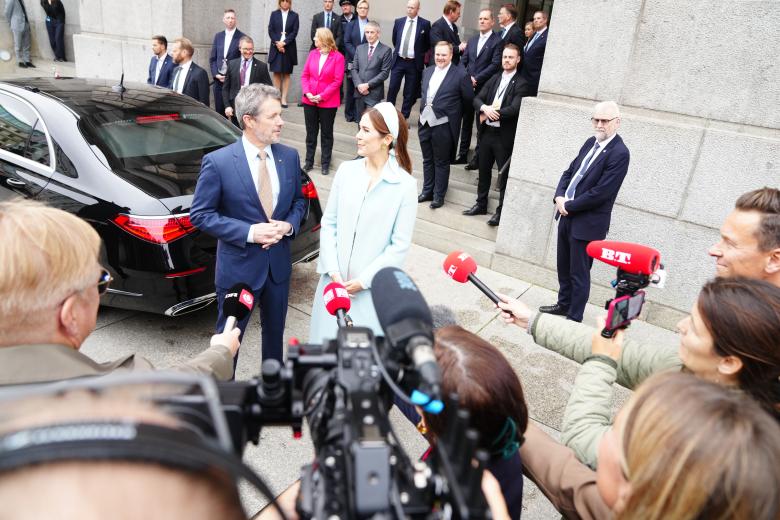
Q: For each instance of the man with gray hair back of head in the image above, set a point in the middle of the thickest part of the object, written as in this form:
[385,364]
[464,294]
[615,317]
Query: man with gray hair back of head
[583,201]
[370,68]
[249,197]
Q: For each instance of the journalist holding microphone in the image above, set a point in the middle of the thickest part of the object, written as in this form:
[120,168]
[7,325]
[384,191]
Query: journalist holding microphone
[50,288]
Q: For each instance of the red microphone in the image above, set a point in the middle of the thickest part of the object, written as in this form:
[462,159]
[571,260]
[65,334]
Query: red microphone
[336,299]
[461,267]
[631,258]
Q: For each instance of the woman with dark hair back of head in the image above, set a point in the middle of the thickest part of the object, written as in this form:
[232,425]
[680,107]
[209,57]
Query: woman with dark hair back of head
[369,220]
[488,387]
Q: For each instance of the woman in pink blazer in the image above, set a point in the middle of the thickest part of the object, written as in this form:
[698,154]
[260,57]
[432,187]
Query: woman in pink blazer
[320,83]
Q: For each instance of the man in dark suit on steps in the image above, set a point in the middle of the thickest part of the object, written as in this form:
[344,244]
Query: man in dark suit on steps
[444,29]
[188,78]
[411,40]
[499,105]
[446,93]
[161,65]
[328,19]
[223,49]
[583,204]
[533,52]
[510,32]
[241,72]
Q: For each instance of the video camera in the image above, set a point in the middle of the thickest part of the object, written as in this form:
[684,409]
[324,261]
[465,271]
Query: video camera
[344,389]
[638,266]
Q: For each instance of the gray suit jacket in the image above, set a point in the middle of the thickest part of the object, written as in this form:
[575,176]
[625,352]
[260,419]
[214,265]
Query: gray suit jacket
[14,14]
[374,72]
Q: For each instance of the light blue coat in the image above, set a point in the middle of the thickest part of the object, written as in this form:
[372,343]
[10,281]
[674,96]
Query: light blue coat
[362,231]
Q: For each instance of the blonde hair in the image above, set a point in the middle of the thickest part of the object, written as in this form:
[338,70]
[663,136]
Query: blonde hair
[325,36]
[185,45]
[693,449]
[46,255]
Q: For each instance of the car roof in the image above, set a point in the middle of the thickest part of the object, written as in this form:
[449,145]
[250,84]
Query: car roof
[88,96]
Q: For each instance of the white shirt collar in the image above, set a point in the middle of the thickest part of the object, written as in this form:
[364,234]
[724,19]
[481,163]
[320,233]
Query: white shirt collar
[603,144]
[505,74]
[508,26]
[252,150]
[540,31]
[446,20]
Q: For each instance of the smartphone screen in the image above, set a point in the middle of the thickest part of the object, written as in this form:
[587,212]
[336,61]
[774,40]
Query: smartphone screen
[624,309]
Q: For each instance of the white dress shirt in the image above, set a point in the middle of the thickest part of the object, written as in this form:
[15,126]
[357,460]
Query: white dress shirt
[284,23]
[178,82]
[228,38]
[408,26]
[253,160]
[323,59]
[506,77]
[482,39]
[158,68]
[437,78]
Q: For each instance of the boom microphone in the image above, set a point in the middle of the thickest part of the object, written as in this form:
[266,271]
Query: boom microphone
[461,267]
[337,302]
[406,321]
[631,258]
[238,303]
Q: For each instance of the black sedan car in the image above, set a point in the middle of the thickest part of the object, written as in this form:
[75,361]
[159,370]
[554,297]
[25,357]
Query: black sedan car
[127,163]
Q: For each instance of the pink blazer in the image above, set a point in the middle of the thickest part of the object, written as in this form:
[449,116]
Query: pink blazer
[326,83]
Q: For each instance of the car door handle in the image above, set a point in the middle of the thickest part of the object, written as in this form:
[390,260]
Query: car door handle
[16,183]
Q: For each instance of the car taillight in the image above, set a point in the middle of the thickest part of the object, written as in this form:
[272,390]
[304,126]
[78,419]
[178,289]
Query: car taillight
[309,190]
[142,120]
[157,230]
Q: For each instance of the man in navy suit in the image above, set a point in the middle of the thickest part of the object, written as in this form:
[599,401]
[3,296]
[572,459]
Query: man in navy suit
[583,203]
[533,52]
[482,60]
[249,197]
[354,36]
[510,32]
[446,93]
[161,67]
[188,78]
[224,49]
[444,29]
[241,72]
[411,41]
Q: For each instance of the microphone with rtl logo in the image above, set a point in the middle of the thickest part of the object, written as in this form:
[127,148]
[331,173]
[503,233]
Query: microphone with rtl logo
[238,303]
[336,299]
[631,258]
[461,267]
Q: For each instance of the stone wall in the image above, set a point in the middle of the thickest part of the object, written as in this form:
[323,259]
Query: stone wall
[699,96]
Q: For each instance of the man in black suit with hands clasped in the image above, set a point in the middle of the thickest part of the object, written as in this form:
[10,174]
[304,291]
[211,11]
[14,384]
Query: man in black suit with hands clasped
[241,72]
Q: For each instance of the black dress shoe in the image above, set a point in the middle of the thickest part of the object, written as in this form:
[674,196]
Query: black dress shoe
[476,209]
[326,170]
[472,166]
[494,220]
[424,198]
[22,64]
[308,167]
[285,105]
[557,309]
[436,204]
[461,159]
[30,64]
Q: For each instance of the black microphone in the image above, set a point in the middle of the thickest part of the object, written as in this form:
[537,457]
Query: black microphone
[238,303]
[407,323]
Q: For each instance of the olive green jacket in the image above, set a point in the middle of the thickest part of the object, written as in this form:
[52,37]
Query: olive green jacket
[588,413]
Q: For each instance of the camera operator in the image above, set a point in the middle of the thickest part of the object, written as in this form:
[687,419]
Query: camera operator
[50,287]
[750,247]
[682,448]
[87,487]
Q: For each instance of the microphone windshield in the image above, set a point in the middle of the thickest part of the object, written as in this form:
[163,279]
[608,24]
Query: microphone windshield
[630,257]
[396,297]
[239,301]
[459,265]
[335,297]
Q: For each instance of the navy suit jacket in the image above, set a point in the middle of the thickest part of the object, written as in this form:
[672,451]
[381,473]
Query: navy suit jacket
[318,20]
[218,50]
[514,35]
[591,208]
[484,66]
[422,41]
[196,84]
[166,72]
[353,38]
[453,97]
[440,30]
[226,204]
[531,68]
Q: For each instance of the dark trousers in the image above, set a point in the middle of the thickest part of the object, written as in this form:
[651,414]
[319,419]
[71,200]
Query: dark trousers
[219,105]
[319,119]
[465,133]
[436,159]
[56,30]
[272,300]
[349,100]
[573,271]
[406,70]
[493,152]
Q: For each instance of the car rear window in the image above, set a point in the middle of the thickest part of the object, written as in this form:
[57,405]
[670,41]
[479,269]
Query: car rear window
[138,138]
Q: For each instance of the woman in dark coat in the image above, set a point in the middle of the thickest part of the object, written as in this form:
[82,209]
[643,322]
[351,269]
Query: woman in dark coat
[283,55]
[55,25]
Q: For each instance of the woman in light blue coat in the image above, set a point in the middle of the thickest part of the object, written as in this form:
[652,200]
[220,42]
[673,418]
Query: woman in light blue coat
[369,219]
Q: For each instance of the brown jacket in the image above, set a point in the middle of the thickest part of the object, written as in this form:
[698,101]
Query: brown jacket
[25,364]
[566,482]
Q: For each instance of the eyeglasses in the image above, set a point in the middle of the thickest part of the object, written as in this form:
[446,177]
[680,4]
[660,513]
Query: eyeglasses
[104,281]
[596,120]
